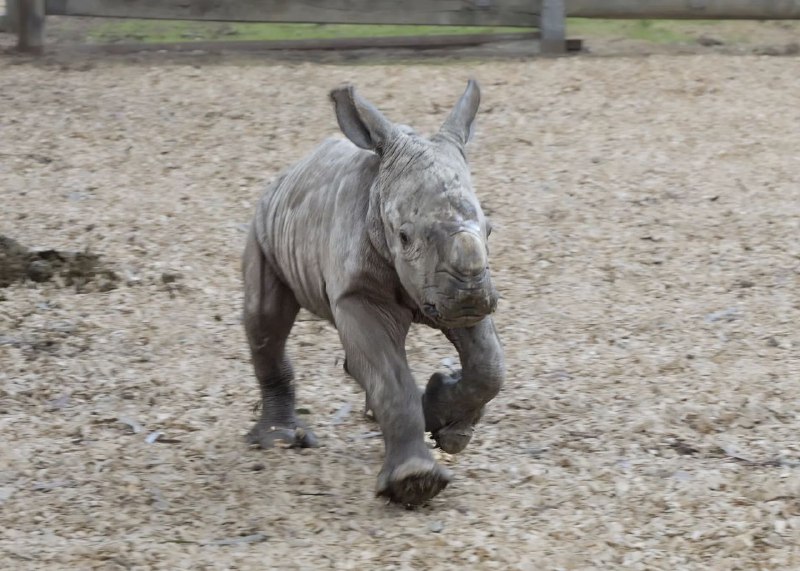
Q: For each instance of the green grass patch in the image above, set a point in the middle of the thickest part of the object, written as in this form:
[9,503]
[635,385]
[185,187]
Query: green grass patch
[157,31]
[167,31]
[654,31]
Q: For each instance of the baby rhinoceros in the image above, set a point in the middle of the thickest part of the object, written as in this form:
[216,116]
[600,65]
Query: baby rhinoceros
[372,234]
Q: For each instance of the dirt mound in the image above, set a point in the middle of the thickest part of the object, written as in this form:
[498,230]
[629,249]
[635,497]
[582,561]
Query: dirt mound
[78,269]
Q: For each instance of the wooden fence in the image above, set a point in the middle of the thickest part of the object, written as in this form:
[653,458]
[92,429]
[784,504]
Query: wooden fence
[548,17]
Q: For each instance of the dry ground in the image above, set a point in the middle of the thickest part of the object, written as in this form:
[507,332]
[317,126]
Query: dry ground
[647,245]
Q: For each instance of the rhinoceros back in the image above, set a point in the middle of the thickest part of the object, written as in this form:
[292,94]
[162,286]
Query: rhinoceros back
[313,215]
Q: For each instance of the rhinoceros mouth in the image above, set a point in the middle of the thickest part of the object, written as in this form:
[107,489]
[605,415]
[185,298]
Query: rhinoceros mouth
[451,300]
[460,316]
[461,322]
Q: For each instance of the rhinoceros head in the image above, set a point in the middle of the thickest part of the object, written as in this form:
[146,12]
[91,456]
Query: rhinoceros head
[424,215]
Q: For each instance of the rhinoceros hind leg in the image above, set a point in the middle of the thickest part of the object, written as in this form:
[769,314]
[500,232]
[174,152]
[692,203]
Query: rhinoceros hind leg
[270,309]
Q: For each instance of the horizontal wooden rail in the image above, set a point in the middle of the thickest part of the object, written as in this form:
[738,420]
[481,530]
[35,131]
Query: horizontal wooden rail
[685,9]
[330,44]
[524,13]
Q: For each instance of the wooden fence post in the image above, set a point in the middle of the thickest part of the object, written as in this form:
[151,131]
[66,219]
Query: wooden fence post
[10,22]
[31,25]
[552,27]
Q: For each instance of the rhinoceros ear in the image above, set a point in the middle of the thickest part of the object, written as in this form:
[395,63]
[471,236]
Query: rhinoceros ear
[359,120]
[458,125]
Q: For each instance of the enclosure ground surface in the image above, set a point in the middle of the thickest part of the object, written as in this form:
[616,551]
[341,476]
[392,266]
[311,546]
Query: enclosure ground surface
[646,245]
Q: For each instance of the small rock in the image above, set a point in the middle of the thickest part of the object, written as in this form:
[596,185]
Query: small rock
[171,277]
[436,526]
[58,404]
[258,467]
[450,362]
[559,375]
[767,51]
[709,41]
[40,270]
[683,448]
[5,493]
[132,424]
[537,451]
[243,539]
[341,414]
[132,280]
[728,314]
[366,435]
[64,326]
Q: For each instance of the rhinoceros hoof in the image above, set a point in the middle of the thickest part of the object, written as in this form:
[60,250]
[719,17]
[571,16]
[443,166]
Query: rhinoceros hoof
[265,436]
[414,482]
[453,438]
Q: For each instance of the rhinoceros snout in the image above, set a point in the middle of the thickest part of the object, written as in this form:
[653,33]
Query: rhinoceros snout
[462,303]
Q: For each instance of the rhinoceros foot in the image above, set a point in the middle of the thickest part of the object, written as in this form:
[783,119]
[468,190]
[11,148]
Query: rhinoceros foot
[454,437]
[450,424]
[414,482]
[264,435]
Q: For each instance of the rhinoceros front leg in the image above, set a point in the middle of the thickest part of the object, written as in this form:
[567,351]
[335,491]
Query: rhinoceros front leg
[454,403]
[373,338]
[270,309]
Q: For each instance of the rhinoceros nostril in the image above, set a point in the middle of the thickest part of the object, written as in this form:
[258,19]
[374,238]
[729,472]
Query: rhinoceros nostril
[430,310]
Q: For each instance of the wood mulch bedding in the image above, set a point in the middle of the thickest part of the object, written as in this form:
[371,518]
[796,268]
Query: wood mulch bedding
[646,245]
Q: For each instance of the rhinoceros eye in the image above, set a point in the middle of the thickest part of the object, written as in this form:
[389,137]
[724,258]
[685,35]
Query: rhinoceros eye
[404,239]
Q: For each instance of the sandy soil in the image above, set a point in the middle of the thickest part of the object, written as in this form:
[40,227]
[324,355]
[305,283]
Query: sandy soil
[647,214]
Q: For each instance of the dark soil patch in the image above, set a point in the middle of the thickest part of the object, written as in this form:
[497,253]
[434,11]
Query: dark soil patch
[78,269]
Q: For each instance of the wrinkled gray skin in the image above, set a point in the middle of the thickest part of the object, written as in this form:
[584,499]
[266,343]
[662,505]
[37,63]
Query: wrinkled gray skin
[373,234]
